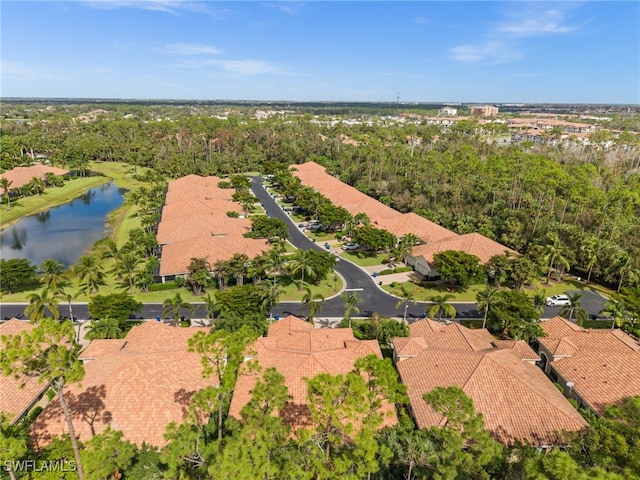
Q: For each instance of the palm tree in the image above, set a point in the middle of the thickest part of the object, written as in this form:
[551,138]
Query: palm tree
[52,273]
[485,299]
[210,306]
[440,307]
[105,328]
[591,249]
[67,297]
[90,274]
[5,183]
[554,252]
[405,246]
[39,303]
[351,300]
[111,250]
[312,302]
[126,267]
[625,267]
[406,297]
[174,306]
[617,312]
[301,262]
[574,307]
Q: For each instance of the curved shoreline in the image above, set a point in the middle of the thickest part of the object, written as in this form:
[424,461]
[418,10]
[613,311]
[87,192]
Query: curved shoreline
[59,198]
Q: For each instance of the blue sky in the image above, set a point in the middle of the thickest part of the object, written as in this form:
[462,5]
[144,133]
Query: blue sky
[518,51]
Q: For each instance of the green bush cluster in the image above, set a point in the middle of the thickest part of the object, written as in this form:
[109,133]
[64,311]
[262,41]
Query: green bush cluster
[157,287]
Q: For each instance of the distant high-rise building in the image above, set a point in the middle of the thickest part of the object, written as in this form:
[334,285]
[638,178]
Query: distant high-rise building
[484,111]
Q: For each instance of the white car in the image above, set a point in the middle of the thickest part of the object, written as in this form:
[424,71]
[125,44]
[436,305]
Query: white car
[350,246]
[558,300]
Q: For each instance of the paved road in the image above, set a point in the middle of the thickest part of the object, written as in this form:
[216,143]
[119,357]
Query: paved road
[374,299]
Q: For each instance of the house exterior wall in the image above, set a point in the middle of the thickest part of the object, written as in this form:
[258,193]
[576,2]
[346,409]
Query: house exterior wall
[421,266]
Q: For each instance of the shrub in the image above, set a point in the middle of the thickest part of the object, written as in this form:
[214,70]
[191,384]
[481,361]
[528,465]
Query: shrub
[361,255]
[233,214]
[395,284]
[403,269]
[387,271]
[157,287]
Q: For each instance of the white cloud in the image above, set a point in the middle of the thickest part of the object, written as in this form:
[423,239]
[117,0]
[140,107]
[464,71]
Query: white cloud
[25,73]
[491,52]
[537,21]
[182,49]
[167,6]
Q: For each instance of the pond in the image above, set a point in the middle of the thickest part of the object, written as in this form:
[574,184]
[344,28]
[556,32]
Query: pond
[65,231]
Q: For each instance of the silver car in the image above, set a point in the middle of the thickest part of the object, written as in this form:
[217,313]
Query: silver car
[558,300]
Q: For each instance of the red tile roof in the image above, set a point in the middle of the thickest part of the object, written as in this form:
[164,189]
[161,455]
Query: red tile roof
[22,175]
[17,395]
[138,389]
[472,243]
[604,365]
[298,351]
[517,400]
[425,334]
[195,224]
[99,348]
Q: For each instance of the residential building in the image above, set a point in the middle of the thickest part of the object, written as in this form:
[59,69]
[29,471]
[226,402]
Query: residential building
[595,367]
[18,395]
[297,350]
[195,224]
[447,112]
[517,401]
[20,176]
[484,111]
[138,385]
[421,258]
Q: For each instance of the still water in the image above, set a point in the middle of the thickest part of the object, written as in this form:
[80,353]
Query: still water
[62,232]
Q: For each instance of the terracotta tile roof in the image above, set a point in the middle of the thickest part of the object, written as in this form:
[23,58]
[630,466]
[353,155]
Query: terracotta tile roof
[17,395]
[603,365]
[22,175]
[516,399]
[519,348]
[601,378]
[473,243]
[206,193]
[99,348]
[341,194]
[138,389]
[565,338]
[205,208]
[300,352]
[177,256]
[195,224]
[426,334]
[191,226]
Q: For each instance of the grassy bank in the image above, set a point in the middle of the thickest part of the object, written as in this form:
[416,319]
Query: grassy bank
[51,197]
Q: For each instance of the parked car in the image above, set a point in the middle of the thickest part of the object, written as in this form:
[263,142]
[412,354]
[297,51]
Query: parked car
[314,226]
[558,300]
[350,246]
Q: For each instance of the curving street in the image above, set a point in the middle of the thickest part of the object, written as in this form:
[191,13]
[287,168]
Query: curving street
[374,299]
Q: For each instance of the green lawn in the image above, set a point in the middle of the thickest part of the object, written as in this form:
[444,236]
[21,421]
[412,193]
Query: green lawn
[326,288]
[366,261]
[469,295]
